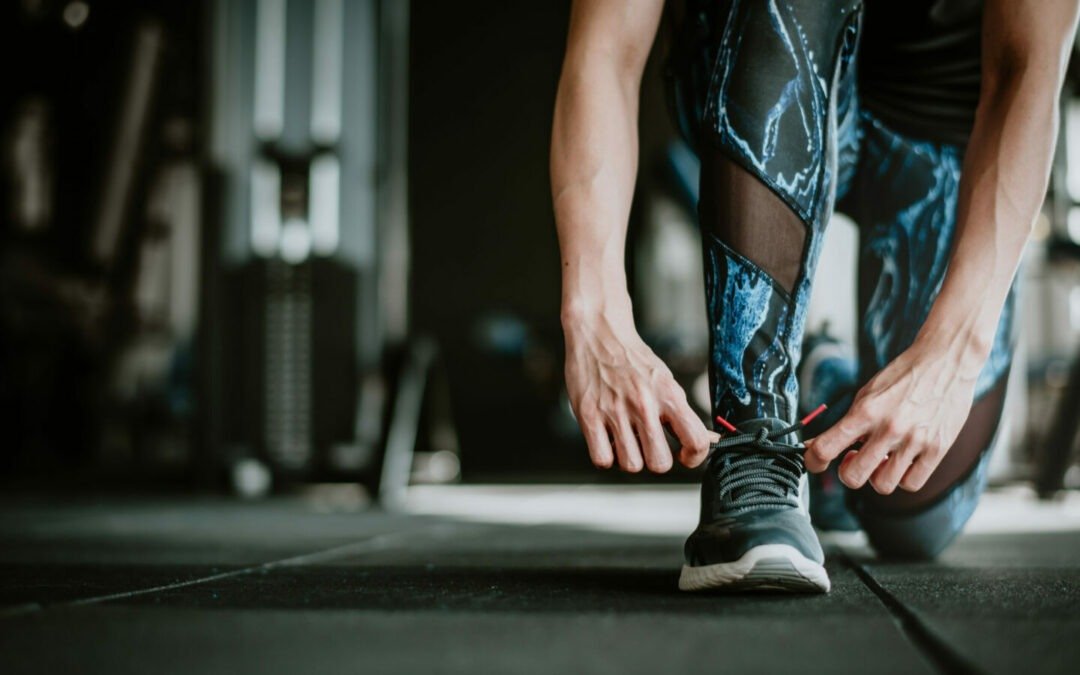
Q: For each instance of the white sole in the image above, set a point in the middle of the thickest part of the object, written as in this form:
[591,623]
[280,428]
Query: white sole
[770,567]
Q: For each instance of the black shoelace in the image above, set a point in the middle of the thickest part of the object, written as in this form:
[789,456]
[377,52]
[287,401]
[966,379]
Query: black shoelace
[756,470]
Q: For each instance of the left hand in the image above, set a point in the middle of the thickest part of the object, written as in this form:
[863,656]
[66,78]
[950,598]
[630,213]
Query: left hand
[907,417]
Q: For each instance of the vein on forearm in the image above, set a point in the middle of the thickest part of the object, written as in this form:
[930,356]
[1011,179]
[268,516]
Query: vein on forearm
[594,166]
[1005,174]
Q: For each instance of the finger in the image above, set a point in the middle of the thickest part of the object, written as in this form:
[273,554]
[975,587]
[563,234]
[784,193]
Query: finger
[653,444]
[818,467]
[855,472]
[847,459]
[691,432]
[596,437]
[839,437]
[919,472]
[887,476]
[626,446]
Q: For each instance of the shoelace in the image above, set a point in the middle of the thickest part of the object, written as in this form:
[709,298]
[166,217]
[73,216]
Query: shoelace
[755,469]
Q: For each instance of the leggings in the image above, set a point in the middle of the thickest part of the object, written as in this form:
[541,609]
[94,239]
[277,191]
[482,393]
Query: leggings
[774,115]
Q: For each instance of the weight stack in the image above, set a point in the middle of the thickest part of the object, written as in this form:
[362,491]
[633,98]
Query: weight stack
[291,377]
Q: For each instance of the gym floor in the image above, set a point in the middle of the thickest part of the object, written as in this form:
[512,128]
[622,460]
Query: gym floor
[504,579]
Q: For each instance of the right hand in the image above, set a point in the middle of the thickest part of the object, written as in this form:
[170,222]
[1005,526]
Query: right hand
[623,394]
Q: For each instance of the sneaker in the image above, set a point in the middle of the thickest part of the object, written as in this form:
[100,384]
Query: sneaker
[755,531]
[836,526]
[828,372]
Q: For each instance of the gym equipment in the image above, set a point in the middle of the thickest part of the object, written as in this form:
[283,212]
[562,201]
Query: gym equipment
[309,130]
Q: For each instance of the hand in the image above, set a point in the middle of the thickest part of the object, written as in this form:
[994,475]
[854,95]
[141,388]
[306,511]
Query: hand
[907,417]
[622,394]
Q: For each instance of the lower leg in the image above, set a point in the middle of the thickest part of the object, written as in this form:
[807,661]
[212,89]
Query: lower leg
[754,248]
[768,168]
[769,164]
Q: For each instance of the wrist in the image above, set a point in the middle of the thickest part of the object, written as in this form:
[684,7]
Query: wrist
[585,312]
[591,295]
[965,347]
[962,323]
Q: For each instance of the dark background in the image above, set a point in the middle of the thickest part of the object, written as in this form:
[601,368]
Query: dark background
[478,82]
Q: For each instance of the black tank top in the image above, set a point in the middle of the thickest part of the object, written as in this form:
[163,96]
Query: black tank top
[919,66]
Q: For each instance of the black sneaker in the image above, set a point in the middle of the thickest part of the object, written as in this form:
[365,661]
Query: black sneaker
[828,372]
[836,526]
[755,532]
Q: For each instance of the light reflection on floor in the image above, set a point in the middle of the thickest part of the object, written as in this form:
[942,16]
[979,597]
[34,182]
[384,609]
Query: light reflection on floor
[673,510]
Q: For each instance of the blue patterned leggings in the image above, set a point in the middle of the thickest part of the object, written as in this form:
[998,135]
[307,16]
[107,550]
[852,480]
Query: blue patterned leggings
[781,135]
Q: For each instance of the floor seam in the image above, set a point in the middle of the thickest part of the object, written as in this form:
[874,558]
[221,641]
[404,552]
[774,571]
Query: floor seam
[939,653]
[374,543]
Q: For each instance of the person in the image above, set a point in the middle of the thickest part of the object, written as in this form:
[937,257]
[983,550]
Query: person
[932,124]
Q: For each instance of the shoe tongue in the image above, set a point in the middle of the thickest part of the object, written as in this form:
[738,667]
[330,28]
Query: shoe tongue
[771,423]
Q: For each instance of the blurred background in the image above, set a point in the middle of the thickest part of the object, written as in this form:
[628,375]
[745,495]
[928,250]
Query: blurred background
[252,246]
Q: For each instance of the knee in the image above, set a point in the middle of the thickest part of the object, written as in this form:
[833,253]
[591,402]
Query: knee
[908,541]
[919,535]
[924,532]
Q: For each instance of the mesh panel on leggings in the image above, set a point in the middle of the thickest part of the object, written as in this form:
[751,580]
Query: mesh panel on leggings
[749,217]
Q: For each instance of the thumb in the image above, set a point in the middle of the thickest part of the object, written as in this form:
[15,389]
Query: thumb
[692,434]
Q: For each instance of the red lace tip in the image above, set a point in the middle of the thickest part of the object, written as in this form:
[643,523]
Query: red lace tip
[817,411]
[724,423]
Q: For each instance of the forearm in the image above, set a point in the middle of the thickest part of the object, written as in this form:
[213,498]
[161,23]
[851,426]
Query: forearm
[1026,45]
[909,415]
[593,170]
[620,391]
[1004,180]
[594,150]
